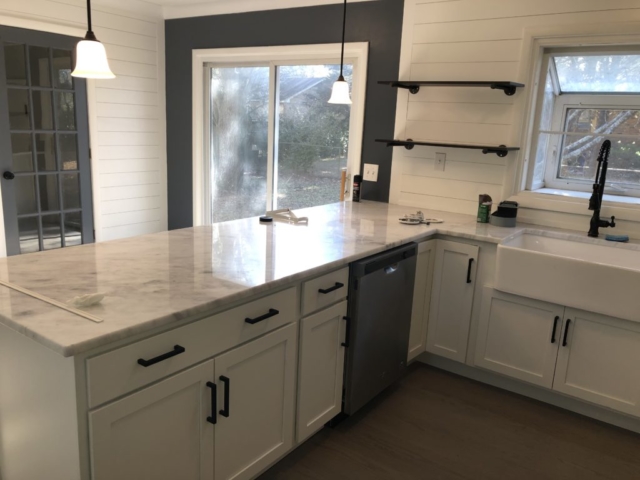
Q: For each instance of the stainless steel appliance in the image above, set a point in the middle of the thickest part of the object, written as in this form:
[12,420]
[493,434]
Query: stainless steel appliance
[380,300]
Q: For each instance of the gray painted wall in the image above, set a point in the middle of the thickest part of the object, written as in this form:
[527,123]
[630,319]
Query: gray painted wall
[378,22]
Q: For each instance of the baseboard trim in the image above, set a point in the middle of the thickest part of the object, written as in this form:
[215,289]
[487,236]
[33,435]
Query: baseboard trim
[532,391]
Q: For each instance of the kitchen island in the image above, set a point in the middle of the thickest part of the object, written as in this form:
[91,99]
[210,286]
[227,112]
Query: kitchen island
[215,350]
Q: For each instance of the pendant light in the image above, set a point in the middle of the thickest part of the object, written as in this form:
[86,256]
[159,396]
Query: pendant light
[91,57]
[340,94]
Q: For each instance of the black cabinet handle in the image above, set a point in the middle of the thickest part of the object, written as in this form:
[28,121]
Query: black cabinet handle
[8,175]
[337,286]
[553,333]
[471,260]
[272,313]
[227,388]
[566,332]
[177,350]
[214,403]
[347,332]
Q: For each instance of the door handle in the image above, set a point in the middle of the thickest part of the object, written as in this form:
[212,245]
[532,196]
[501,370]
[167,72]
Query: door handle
[214,403]
[471,260]
[553,333]
[177,350]
[272,313]
[347,332]
[566,332]
[227,388]
[337,286]
[8,175]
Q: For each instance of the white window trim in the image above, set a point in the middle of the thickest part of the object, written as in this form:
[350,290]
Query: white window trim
[535,41]
[355,53]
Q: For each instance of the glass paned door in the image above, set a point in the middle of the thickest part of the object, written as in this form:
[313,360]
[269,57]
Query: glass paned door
[312,136]
[44,152]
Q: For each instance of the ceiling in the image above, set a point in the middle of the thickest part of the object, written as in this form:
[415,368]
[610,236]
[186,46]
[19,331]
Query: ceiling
[196,8]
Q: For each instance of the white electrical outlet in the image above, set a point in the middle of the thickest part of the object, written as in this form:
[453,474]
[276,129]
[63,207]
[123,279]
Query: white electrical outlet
[370,172]
[441,159]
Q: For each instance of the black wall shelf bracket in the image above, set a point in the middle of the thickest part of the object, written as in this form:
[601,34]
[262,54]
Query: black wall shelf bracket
[509,88]
[500,151]
[409,144]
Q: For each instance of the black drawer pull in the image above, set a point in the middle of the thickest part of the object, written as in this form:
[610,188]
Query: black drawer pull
[272,313]
[553,333]
[347,332]
[214,403]
[471,260]
[337,286]
[227,388]
[177,350]
[566,332]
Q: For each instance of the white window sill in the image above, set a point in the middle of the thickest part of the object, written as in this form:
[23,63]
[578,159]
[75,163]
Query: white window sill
[573,194]
[577,203]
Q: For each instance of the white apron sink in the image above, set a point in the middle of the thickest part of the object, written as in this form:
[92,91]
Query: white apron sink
[595,277]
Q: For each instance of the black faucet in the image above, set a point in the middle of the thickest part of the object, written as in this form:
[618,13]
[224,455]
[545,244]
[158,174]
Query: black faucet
[595,203]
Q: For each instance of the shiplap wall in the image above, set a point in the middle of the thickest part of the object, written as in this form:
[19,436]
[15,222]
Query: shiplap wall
[471,40]
[127,115]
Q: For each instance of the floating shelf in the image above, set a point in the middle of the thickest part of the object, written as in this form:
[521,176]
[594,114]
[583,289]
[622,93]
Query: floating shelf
[509,88]
[501,150]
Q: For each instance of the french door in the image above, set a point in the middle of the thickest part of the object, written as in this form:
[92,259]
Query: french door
[44,143]
[271,139]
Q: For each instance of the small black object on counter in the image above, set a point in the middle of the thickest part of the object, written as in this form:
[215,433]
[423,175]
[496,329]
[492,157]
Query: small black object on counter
[357,186]
[506,215]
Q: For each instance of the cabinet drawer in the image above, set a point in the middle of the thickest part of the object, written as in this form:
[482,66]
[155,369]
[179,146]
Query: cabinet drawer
[334,288]
[118,372]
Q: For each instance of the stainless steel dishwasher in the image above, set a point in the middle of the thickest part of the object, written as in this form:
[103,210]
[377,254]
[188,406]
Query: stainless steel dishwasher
[380,300]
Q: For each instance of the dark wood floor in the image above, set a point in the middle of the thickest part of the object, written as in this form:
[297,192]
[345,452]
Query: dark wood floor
[434,425]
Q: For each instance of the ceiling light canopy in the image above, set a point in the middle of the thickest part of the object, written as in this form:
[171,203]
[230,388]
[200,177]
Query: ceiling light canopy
[340,94]
[91,57]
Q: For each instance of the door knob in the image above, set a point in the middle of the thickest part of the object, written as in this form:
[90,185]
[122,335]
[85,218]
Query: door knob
[8,175]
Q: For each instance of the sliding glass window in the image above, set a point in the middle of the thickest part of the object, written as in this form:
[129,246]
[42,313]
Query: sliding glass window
[271,139]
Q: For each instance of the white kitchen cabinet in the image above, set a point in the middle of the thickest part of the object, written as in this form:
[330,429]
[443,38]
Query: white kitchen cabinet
[452,299]
[321,373]
[518,337]
[256,393]
[598,360]
[158,433]
[421,298]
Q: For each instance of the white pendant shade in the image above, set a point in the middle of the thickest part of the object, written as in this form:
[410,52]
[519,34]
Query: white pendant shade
[91,61]
[340,94]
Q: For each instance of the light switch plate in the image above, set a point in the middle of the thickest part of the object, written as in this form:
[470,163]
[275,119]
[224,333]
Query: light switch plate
[441,159]
[370,172]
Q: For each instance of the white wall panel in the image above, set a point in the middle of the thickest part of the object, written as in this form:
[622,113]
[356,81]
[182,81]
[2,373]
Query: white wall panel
[126,114]
[467,40]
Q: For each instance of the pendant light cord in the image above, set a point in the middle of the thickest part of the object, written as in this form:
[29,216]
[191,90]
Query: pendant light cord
[344,30]
[89,15]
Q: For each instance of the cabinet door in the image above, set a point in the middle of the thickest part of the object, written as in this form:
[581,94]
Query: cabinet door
[598,361]
[321,371]
[159,433]
[256,390]
[421,298]
[518,337]
[452,299]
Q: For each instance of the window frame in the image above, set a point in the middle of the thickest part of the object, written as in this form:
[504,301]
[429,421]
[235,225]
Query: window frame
[562,103]
[356,54]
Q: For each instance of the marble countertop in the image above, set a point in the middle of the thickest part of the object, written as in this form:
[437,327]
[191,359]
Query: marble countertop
[163,278]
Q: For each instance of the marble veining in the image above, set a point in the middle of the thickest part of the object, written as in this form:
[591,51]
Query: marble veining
[163,278]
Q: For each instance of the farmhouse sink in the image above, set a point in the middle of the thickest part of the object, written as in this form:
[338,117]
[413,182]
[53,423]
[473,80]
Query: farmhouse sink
[589,275]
